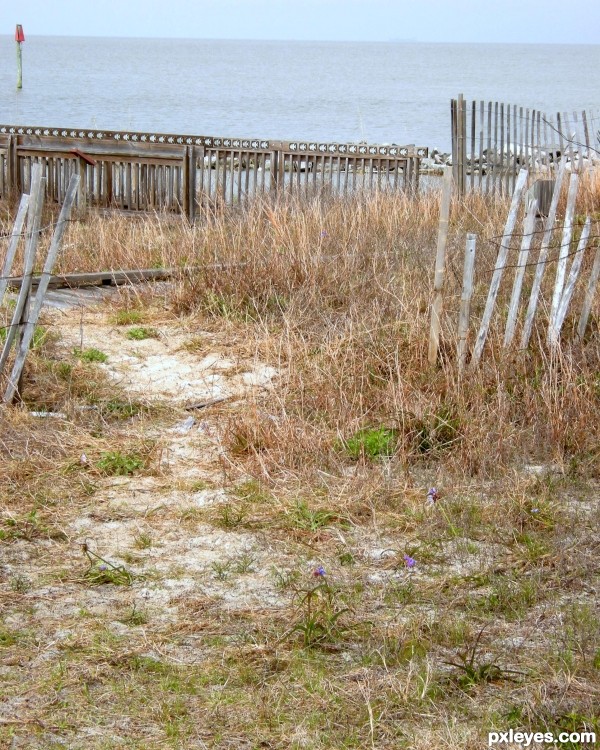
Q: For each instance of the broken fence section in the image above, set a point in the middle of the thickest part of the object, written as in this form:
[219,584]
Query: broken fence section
[19,331]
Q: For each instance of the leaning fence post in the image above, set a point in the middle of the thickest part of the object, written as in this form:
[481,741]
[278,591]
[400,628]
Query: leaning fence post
[13,244]
[33,228]
[513,308]
[35,310]
[499,268]
[565,300]
[440,267]
[465,301]
[589,296]
[541,263]
[561,266]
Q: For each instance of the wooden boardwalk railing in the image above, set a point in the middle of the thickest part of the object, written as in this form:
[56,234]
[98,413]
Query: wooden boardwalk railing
[192,174]
[492,141]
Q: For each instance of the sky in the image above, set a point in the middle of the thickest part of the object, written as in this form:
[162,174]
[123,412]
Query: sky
[507,21]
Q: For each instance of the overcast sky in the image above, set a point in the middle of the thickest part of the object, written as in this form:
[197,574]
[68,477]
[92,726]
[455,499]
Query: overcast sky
[546,21]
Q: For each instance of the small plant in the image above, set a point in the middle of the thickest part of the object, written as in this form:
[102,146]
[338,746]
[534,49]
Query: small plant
[143,541]
[437,431]
[20,583]
[102,571]
[472,671]
[221,570]
[139,334]
[304,517]
[120,409]
[244,564]
[91,355]
[230,515]
[372,443]
[115,463]
[320,618]
[135,617]
[128,317]
[285,579]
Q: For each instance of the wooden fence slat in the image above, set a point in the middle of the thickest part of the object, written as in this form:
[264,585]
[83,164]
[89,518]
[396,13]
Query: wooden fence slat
[589,297]
[465,301]
[440,267]
[36,308]
[565,246]
[513,308]
[499,268]
[15,236]
[565,300]
[481,128]
[490,169]
[542,258]
[36,202]
[473,130]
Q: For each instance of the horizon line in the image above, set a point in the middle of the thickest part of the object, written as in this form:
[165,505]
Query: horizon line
[325,41]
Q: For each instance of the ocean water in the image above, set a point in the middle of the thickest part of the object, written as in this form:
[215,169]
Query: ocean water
[324,91]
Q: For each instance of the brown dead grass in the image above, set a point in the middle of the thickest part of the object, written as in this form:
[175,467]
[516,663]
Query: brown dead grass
[335,295]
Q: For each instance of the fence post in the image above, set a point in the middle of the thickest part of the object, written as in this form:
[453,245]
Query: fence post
[33,230]
[440,267]
[541,264]
[185,183]
[274,185]
[462,153]
[465,302]
[192,184]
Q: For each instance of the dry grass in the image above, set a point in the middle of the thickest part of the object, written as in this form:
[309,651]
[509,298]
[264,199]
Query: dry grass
[496,626]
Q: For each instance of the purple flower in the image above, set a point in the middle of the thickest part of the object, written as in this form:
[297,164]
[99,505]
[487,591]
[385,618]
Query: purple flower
[433,496]
[409,561]
[323,233]
[319,572]
[102,567]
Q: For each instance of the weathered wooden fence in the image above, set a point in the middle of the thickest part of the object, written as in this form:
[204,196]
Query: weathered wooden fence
[21,324]
[190,174]
[492,141]
[559,249]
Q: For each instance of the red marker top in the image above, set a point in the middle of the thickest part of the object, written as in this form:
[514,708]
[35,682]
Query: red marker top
[19,35]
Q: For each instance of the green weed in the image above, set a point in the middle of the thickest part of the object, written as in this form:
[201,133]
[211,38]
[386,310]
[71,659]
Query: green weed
[115,463]
[372,442]
[139,334]
[91,355]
